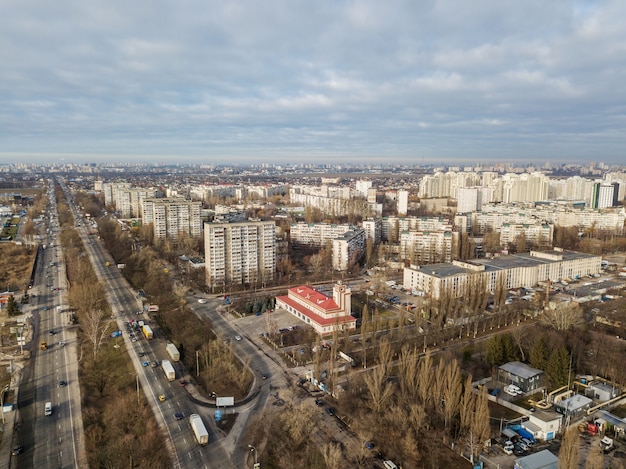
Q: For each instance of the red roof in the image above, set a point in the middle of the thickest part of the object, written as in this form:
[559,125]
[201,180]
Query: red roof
[314,297]
[312,315]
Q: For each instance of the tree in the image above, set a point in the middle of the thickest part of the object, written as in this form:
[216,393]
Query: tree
[332,455]
[380,391]
[466,411]
[95,329]
[452,390]
[480,424]
[538,356]
[12,308]
[557,368]
[568,454]
[595,460]
[495,351]
[563,316]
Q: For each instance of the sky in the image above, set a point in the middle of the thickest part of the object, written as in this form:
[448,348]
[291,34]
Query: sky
[312,81]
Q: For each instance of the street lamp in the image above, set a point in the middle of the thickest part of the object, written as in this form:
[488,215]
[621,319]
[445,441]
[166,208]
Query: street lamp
[253,450]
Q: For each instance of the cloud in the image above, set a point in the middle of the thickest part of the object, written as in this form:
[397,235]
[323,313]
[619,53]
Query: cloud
[346,78]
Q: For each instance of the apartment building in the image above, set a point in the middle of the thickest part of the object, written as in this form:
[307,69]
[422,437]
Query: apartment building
[317,234]
[172,216]
[373,229]
[348,248]
[428,246]
[239,253]
[514,271]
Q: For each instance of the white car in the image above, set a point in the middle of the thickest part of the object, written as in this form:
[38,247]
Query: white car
[202,301]
[237,337]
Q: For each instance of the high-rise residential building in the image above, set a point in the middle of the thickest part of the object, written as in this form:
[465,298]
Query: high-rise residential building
[604,195]
[422,247]
[363,186]
[239,253]
[373,229]
[403,202]
[317,234]
[348,248]
[172,216]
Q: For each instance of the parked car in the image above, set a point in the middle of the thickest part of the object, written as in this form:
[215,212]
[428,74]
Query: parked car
[319,402]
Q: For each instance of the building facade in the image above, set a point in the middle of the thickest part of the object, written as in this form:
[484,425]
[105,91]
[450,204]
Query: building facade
[323,313]
[172,217]
[515,271]
[239,253]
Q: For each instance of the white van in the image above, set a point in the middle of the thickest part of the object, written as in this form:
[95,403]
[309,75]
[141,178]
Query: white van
[389,464]
[48,409]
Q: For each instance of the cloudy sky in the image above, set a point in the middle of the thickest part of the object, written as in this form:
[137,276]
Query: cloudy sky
[315,81]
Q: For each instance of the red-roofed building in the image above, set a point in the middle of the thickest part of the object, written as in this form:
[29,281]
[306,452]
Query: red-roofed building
[323,313]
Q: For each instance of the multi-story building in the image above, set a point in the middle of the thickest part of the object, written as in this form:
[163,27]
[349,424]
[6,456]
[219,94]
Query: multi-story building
[323,313]
[171,217]
[373,229]
[239,253]
[537,234]
[471,199]
[422,247]
[348,248]
[317,234]
[515,271]
[403,202]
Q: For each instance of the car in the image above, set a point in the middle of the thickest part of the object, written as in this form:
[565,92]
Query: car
[141,354]
[202,301]
[162,397]
[237,337]
[144,363]
[508,450]
[62,383]
[182,382]
[46,308]
[263,376]
[179,416]
[319,402]
[52,332]
[154,364]
[17,450]
[62,343]
[134,339]
[330,411]
[369,445]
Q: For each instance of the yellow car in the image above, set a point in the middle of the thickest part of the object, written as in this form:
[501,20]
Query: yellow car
[162,398]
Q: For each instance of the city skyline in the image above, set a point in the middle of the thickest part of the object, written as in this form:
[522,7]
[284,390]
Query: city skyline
[215,83]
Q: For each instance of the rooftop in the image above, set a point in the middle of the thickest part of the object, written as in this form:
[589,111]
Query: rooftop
[520,369]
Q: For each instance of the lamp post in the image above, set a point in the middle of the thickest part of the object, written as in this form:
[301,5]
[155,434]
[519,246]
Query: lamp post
[253,450]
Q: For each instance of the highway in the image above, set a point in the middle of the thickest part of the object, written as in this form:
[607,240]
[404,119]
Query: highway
[125,303]
[53,441]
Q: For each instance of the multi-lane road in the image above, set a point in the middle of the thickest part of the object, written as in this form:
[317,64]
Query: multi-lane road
[50,441]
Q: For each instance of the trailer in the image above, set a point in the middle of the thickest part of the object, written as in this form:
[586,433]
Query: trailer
[168,369]
[147,331]
[173,352]
[199,430]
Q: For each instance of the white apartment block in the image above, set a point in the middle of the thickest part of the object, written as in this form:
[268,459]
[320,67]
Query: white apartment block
[317,234]
[392,226]
[515,271]
[539,234]
[471,199]
[348,249]
[523,187]
[493,215]
[172,216]
[363,186]
[239,253]
[422,247]
[403,202]
[373,229]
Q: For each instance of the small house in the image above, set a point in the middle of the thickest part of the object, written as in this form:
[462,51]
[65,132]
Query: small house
[525,377]
[574,406]
[540,460]
[600,391]
[543,424]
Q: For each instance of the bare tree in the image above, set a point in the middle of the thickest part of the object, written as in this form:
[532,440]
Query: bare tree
[408,373]
[595,459]
[563,316]
[480,424]
[299,423]
[332,455]
[95,329]
[425,379]
[466,411]
[568,455]
[380,391]
[452,388]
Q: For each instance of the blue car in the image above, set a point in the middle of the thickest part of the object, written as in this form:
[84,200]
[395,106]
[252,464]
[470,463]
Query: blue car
[144,363]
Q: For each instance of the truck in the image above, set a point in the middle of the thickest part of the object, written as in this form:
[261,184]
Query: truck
[147,331]
[199,430]
[44,345]
[173,352]
[168,369]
